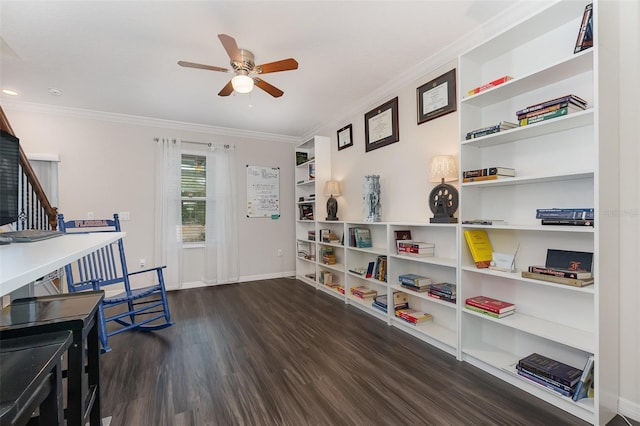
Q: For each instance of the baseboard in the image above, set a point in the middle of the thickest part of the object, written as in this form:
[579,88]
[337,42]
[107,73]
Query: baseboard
[196,284]
[629,409]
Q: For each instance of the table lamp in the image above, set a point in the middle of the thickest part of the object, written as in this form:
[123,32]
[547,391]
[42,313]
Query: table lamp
[443,200]
[332,188]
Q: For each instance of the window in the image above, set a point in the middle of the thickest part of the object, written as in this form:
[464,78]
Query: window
[193,197]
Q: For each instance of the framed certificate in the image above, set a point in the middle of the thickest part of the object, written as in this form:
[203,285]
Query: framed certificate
[345,137]
[437,97]
[381,125]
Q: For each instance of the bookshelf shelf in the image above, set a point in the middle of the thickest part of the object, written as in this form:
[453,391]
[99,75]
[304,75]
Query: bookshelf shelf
[570,336]
[429,329]
[568,122]
[423,296]
[560,163]
[441,261]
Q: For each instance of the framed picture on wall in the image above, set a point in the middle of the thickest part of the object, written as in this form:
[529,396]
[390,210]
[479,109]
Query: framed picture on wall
[381,125]
[345,137]
[437,97]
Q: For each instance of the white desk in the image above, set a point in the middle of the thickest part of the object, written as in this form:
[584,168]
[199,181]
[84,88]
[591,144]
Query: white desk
[22,263]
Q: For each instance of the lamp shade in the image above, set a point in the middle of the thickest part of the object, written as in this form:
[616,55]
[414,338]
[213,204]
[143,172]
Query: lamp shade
[332,188]
[242,83]
[443,167]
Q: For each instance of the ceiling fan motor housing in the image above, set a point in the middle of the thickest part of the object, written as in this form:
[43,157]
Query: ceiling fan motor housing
[246,65]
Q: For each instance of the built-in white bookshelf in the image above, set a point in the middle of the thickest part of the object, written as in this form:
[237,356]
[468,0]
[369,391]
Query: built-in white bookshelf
[562,162]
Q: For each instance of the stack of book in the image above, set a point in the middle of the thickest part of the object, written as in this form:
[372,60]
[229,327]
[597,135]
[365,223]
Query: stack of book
[550,109]
[564,267]
[380,269]
[416,248]
[566,216]
[490,173]
[550,373]
[413,316]
[328,255]
[363,292]
[400,301]
[443,291]
[495,308]
[311,235]
[360,237]
[415,282]
[488,130]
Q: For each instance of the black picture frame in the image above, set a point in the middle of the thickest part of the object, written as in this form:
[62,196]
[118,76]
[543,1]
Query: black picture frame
[381,125]
[345,137]
[437,97]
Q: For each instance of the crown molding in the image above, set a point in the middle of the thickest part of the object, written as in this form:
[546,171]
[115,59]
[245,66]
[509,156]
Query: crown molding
[516,13]
[145,121]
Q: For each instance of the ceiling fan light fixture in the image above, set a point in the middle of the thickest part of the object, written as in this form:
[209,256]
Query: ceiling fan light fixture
[242,83]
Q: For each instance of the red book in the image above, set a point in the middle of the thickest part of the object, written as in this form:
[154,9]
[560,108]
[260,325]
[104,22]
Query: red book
[489,304]
[489,85]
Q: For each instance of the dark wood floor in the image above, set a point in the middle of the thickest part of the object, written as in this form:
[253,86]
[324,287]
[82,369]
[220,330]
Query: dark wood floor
[278,352]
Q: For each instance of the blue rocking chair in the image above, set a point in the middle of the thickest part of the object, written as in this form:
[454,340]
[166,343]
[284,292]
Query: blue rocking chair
[144,309]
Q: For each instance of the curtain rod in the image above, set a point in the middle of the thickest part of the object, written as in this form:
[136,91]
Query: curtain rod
[209,144]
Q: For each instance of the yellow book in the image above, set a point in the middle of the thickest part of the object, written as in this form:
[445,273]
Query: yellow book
[479,246]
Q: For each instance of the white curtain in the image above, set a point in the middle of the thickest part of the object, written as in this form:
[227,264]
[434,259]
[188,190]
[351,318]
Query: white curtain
[221,238]
[168,232]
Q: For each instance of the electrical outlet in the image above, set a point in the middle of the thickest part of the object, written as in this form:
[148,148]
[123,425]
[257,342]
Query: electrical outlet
[279,252]
[143,262]
[124,216]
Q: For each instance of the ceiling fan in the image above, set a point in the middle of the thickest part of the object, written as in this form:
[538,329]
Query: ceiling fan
[247,72]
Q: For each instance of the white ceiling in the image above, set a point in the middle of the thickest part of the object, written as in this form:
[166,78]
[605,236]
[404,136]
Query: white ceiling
[120,56]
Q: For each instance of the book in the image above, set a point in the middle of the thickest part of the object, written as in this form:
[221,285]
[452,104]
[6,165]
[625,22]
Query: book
[415,288]
[585,33]
[413,316]
[487,312]
[551,108]
[576,100]
[564,273]
[541,381]
[586,380]
[556,384]
[363,237]
[548,367]
[446,288]
[312,171]
[490,304]
[495,128]
[401,235]
[440,296]
[490,85]
[490,171]
[558,280]
[546,116]
[567,222]
[483,178]
[416,248]
[565,213]
[479,246]
[370,267]
[414,280]
[483,221]
[577,261]
[363,292]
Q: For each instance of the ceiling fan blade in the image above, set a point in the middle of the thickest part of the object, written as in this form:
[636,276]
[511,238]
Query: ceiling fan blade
[201,66]
[272,90]
[283,65]
[226,90]
[230,45]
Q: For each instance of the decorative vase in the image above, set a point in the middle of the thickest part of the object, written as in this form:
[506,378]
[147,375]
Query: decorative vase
[371,198]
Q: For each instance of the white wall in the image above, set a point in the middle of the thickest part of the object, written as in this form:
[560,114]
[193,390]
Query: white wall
[108,166]
[403,166]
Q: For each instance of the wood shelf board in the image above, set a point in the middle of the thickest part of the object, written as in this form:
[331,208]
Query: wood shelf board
[567,122]
[373,250]
[430,329]
[555,332]
[441,261]
[336,266]
[535,228]
[330,291]
[518,277]
[306,163]
[520,180]
[306,182]
[569,67]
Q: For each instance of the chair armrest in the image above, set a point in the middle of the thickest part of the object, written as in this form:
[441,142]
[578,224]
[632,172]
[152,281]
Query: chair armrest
[87,285]
[157,268]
